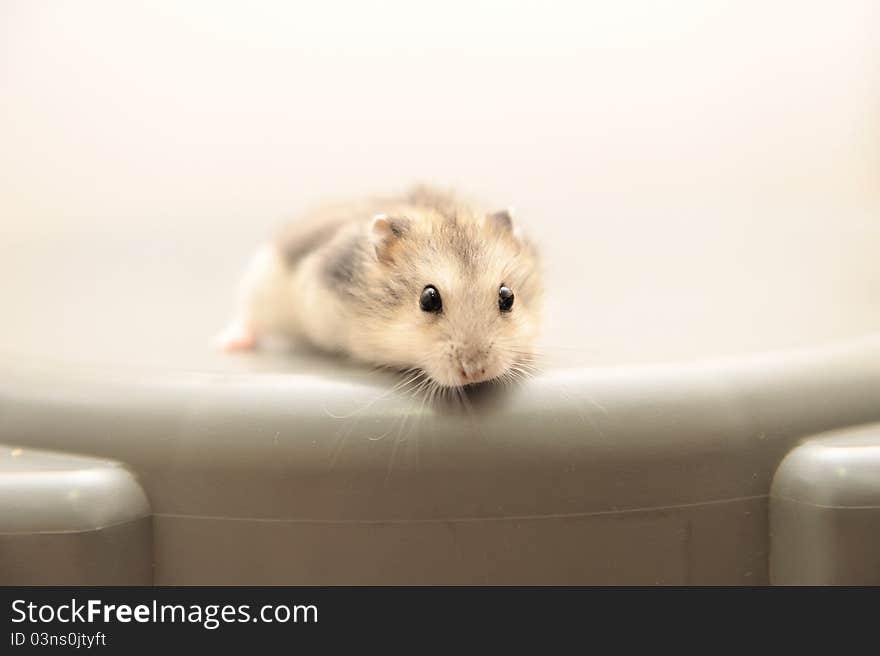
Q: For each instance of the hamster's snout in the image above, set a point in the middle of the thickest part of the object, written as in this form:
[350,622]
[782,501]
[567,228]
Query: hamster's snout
[470,365]
[471,371]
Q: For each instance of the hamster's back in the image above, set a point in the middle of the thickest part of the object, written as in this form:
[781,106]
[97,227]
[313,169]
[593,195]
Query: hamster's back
[319,225]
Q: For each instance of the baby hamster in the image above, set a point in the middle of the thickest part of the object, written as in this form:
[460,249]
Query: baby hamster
[422,281]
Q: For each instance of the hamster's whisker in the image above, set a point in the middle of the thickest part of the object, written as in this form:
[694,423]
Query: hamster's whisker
[411,377]
[407,386]
[422,393]
[422,386]
[515,376]
[509,379]
[384,394]
[525,366]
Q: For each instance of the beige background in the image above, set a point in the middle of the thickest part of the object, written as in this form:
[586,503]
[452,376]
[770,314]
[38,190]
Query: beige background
[703,176]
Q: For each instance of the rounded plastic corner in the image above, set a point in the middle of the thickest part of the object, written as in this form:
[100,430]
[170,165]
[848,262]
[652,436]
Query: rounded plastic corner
[48,492]
[840,469]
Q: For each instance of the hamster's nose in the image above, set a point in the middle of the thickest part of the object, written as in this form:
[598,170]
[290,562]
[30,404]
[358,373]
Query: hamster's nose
[472,372]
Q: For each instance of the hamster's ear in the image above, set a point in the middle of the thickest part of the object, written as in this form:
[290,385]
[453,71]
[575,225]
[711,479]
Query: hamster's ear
[385,232]
[501,221]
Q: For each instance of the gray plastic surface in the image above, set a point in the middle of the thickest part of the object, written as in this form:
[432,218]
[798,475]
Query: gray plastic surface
[825,511]
[71,520]
[636,475]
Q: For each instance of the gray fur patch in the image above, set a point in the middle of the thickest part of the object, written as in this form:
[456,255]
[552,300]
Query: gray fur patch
[342,265]
[298,244]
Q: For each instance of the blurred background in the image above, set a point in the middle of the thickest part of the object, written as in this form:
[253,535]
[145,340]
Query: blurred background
[703,176]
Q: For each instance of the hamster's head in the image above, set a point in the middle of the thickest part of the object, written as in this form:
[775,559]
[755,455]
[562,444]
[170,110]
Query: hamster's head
[460,295]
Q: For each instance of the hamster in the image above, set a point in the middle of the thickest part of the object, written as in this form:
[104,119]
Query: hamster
[423,281]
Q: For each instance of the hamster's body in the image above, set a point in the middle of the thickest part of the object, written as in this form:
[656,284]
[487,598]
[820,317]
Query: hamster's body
[421,281]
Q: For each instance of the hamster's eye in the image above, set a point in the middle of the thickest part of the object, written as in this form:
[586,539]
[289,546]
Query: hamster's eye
[430,300]
[505,299]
